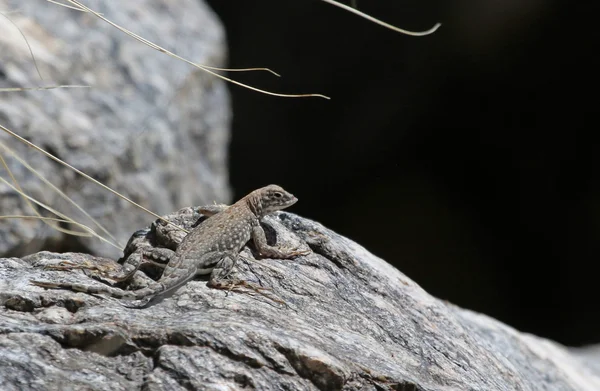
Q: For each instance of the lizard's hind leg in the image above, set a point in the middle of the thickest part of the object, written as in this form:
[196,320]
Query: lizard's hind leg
[112,271]
[156,256]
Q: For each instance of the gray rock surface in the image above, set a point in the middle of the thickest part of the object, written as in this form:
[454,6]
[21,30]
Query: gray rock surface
[150,126]
[350,322]
[589,354]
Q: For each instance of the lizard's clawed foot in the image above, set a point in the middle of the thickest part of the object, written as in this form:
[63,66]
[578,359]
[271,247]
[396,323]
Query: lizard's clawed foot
[299,253]
[296,253]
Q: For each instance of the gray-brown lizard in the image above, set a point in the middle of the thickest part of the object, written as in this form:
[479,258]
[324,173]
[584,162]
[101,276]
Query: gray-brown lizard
[214,244]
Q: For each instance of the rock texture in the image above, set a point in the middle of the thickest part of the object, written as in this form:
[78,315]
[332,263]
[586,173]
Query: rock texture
[149,126]
[350,322]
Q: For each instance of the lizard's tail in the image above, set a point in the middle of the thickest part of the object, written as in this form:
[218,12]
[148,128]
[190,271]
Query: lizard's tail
[139,294]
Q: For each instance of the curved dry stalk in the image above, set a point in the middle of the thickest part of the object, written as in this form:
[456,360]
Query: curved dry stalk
[201,67]
[242,70]
[28,199]
[43,218]
[48,208]
[12,177]
[66,6]
[381,23]
[56,189]
[27,43]
[205,66]
[86,176]
[15,89]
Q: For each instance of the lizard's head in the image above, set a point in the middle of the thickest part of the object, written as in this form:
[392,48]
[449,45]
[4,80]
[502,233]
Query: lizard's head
[271,198]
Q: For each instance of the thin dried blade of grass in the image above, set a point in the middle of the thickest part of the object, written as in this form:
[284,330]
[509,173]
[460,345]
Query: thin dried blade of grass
[16,89]
[381,23]
[18,186]
[56,189]
[67,6]
[242,70]
[86,176]
[255,69]
[43,218]
[67,218]
[12,177]
[205,66]
[27,43]
[27,200]
[201,67]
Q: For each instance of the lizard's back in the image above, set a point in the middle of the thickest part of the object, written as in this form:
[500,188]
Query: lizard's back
[227,231]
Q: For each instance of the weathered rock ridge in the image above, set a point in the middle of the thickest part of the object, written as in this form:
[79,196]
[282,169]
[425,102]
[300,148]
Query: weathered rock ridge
[350,322]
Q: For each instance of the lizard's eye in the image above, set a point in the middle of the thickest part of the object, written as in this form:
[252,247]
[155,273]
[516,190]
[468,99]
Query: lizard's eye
[277,195]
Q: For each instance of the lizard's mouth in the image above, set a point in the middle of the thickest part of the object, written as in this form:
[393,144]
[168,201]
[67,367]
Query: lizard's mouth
[292,201]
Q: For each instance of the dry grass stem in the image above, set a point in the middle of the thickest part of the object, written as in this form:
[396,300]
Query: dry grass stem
[56,189]
[17,89]
[86,176]
[62,216]
[381,23]
[87,231]
[201,67]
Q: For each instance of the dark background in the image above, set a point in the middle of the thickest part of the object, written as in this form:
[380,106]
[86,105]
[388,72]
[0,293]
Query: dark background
[468,159]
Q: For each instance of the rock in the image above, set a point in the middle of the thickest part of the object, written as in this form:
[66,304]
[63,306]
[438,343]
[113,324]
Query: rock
[349,321]
[40,363]
[149,126]
[590,355]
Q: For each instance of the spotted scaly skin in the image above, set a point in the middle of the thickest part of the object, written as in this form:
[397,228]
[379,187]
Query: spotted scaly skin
[215,243]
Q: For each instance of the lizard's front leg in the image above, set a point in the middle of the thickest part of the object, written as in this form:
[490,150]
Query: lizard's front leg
[260,241]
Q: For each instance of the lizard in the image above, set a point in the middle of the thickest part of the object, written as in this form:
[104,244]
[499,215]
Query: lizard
[212,247]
